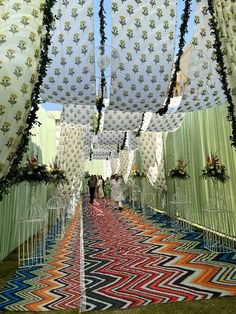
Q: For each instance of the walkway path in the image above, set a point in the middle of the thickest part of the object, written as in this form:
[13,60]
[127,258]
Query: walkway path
[113,259]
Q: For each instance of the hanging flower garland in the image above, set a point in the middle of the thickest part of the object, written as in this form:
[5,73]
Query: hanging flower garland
[183,31]
[9,179]
[124,141]
[221,70]
[100,101]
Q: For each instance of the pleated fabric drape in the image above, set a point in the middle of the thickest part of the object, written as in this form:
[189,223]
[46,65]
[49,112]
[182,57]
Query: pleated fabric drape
[201,134]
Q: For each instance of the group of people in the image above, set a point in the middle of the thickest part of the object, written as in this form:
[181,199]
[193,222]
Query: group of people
[111,188]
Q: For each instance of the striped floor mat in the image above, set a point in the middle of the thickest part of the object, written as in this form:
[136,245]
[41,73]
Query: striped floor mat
[120,259]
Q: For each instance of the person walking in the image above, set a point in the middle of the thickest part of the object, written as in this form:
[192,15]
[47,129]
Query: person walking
[116,191]
[107,189]
[92,183]
[100,184]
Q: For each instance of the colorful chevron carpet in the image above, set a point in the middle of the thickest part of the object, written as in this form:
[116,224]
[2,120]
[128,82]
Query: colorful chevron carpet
[120,259]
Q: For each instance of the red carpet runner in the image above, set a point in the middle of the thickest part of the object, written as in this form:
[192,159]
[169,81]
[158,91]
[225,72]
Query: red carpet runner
[124,259]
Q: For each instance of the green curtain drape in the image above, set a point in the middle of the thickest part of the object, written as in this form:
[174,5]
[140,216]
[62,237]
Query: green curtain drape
[201,134]
[14,204]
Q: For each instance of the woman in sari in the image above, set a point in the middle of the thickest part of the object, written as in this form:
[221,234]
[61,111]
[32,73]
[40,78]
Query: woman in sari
[100,192]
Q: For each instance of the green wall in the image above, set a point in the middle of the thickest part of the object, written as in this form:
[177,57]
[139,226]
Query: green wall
[95,167]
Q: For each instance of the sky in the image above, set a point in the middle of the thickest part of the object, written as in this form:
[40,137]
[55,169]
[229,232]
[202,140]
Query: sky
[107,6]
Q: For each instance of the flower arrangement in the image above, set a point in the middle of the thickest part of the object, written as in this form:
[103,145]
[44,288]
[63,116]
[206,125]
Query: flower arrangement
[136,173]
[179,171]
[214,169]
[33,171]
[56,175]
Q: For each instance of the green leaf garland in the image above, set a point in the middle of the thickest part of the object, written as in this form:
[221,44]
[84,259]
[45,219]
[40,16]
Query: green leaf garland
[100,101]
[222,71]
[138,133]
[183,30]
[124,141]
[91,154]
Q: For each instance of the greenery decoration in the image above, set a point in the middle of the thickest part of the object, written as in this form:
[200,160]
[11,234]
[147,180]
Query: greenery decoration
[95,122]
[179,171]
[138,133]
[9,179]
[86,175]
[183,29]
[118,148]
[214,169]
[91,154]
[124,141]
[100,101]
[222,71]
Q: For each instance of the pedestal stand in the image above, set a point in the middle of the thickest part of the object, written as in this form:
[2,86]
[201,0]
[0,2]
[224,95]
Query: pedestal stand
[136,196]
[32,232]
[147,198]
[215,213]
[178,208]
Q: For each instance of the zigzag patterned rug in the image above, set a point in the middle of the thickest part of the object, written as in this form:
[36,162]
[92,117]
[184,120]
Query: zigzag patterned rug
[111,259]
[53,286]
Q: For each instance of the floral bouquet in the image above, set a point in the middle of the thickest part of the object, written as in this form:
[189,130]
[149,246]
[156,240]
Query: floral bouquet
[179,171]
[33,171]
[136,173]
[56,175]
[214,169]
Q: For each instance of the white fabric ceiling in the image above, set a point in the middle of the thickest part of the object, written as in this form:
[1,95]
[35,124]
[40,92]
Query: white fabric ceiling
[78,115]
[143,35]
[110,138]
[122,121]
[71,75]
[204,88]
[142,50]
[166,123]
